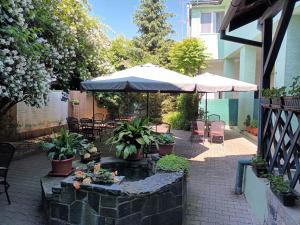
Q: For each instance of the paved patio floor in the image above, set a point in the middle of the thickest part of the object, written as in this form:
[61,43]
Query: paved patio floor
[211,200]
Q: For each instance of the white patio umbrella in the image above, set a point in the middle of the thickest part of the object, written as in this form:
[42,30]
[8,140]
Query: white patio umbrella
[146,78]
[211,83]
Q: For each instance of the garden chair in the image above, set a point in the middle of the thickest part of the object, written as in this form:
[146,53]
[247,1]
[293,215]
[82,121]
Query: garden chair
[213,117]
[73,124]
[6,154]
[198,129]
[217,130]
[87,128]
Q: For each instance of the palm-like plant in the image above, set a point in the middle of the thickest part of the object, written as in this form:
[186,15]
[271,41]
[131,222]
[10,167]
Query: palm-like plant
[64,145]
[131,137]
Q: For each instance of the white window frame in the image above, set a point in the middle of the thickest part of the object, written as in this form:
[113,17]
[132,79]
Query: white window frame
[213,24]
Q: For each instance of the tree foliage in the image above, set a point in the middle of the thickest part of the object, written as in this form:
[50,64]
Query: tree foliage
[46,40]
[152,23]
[188,56]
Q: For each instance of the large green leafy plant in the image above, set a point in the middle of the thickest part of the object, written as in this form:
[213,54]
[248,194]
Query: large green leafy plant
[131,137]
[64,145]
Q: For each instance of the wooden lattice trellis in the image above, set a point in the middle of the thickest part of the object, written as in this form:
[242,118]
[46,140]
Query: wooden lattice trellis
[281,142]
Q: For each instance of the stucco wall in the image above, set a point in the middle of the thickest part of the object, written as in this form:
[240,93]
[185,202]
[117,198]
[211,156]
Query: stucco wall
[54,114]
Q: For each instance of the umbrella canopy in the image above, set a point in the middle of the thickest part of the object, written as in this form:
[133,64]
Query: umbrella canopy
[208,82]
[145,78]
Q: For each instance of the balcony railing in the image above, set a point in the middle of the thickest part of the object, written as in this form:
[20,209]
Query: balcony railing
[201,2]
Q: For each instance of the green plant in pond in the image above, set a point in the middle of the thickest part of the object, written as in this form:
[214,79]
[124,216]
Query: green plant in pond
[295,87]
[166,139]
[258,161]
[253,124]
[278,184]
[173,163]
[64,145]
[131,137]
[274,92]
[247,121]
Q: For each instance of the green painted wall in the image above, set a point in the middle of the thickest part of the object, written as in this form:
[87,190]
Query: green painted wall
[255,193]
[226,108]
[247,74]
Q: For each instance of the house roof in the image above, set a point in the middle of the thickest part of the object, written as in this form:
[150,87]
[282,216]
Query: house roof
[205,2]
[242,12]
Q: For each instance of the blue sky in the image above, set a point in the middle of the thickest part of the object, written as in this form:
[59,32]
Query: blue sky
[118,15]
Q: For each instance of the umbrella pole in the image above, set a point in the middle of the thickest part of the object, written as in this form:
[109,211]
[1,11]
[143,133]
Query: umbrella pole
[206,108]
[148,105]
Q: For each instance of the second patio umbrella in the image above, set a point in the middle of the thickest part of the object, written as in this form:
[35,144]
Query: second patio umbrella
[210,83]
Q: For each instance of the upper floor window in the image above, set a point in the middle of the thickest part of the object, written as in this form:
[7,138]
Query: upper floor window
[211,22]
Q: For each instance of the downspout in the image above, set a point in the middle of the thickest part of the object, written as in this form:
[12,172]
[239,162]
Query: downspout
[242,163]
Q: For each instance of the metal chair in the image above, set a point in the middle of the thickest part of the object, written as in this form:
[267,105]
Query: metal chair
[87,128]
[217,130]
[198,129]
[213,117]
[73,124]
[6,154]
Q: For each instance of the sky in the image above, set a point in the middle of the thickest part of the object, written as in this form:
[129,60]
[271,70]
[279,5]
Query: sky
[118,15]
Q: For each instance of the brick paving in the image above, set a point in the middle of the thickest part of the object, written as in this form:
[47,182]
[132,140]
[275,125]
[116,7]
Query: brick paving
[211,198]
[210,184]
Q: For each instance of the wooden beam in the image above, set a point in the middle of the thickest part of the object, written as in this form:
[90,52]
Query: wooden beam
[271,11]
[285,18]
[267,42]
[226,37]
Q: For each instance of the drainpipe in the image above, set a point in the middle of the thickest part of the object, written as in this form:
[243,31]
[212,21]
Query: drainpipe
[240,175]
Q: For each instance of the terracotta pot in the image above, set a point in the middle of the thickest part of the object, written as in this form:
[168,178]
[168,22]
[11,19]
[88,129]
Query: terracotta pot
[252,130]
[165,149]
[62,166]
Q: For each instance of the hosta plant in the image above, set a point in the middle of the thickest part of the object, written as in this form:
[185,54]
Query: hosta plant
[131,137]
[64,145]
[166,139]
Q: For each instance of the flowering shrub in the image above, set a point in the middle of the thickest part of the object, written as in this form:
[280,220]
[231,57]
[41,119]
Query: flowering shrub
[43,41]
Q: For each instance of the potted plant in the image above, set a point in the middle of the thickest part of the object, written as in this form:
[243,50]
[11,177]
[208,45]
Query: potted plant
[94,174]
[130,138]
[247,122]
[172,163]
[259,166]
[293,101]
[274,95]
[61,151]
[166,144]
[282,190]
[89,153]
[253,128]
[75,102]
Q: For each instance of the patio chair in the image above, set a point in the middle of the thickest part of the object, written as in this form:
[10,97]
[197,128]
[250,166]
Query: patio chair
[87,128]
[198,129]
[217,130]
[213,117]
[73,124]
[99,117]
[6,154]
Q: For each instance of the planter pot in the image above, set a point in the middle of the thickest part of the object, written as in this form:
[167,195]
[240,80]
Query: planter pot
[253,131]
[286,198]
[135,157]
[266,101]
[291,101]
[165,149]
[278,101]
[61,167]
[259,170]
[94,157]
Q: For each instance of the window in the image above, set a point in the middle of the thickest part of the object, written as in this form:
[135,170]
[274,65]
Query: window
[211,22]
[206,23]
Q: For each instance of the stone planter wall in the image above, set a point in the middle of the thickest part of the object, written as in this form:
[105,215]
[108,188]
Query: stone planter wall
[156,200]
